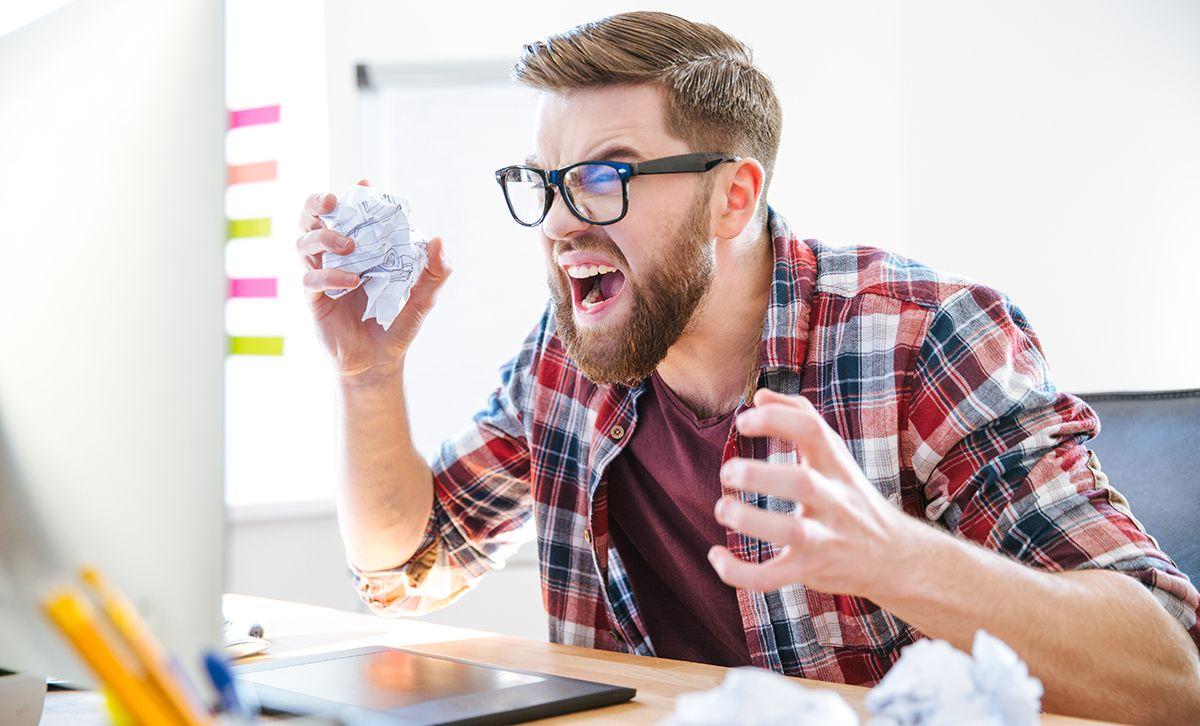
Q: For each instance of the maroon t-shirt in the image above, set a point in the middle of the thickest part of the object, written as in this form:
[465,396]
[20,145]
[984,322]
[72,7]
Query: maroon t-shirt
[661,493]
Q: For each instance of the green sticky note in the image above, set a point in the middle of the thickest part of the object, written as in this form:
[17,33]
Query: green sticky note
[239,345]
[259,227]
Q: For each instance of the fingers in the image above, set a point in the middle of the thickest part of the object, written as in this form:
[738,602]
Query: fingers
[314,205]
[785,528]
[322,203]
[792,565]
[313,245]
[766,395]
[793,418]
[799,482]
[322,240]
[785,421]
[770,575]
[317,282]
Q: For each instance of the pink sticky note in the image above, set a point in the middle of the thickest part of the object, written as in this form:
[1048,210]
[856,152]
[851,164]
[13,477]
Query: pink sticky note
[251,116]
[253,287]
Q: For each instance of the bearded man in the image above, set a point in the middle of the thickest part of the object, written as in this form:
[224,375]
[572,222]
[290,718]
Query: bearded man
[738,447]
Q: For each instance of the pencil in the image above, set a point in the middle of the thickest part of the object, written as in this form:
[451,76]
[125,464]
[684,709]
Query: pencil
[145,647]
[74,618]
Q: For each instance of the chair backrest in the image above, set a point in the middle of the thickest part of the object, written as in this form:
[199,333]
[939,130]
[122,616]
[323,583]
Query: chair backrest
[1149,445]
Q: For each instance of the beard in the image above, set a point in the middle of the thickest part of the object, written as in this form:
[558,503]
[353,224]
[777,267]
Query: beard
[664,302]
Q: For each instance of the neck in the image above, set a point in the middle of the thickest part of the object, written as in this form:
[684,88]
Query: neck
[710,365]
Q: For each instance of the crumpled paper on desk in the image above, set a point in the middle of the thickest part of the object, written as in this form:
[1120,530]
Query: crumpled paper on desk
[757,697]
[389,252]
[934,683]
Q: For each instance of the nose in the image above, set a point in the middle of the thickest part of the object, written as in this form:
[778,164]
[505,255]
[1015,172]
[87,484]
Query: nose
[560,223]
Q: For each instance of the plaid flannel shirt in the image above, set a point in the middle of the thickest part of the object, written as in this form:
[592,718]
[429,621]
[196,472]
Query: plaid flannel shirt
[937,384]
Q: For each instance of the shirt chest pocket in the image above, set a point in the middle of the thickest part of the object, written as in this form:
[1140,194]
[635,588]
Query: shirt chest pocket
[845,621]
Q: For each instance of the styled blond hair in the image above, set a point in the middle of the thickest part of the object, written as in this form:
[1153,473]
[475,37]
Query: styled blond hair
[717,99]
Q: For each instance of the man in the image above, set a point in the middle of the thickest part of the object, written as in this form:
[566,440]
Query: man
[737,447]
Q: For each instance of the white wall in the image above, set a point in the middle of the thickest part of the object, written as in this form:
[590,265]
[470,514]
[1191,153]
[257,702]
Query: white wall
[1045,148]
[834,65]
[1052,149]
[1034,146]
[275,404]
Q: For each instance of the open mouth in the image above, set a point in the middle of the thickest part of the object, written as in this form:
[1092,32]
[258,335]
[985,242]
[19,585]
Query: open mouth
[594,286]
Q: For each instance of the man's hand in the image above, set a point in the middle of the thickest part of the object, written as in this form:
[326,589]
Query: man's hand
[844,537]
[359,346]
[1099,641]
[386,493]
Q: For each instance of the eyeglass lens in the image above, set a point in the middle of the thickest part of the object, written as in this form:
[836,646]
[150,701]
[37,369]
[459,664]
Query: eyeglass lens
[595,190]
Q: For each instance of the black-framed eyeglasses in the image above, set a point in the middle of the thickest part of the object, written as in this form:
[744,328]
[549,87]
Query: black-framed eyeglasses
[596,192]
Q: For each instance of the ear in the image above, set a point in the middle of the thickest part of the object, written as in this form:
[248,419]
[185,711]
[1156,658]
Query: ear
[736,197]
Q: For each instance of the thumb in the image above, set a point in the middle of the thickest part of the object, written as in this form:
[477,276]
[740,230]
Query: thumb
[438,264]
[424,293]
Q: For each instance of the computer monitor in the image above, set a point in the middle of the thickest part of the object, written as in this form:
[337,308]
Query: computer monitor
[112,172]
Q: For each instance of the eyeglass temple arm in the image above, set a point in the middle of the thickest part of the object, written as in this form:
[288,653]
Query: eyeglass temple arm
[701,161]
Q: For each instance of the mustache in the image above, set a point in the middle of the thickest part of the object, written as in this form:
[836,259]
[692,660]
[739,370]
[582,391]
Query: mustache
[592,243]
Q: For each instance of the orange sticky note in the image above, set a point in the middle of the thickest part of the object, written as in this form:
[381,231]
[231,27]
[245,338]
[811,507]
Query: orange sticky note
[256,172]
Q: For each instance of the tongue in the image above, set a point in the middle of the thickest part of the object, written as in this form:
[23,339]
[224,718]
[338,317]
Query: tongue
[611,283]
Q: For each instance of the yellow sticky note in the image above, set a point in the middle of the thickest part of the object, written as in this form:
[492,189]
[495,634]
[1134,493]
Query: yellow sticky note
[242,345]
[259,227]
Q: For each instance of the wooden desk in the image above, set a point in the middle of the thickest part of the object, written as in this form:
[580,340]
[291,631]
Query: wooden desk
[296,629]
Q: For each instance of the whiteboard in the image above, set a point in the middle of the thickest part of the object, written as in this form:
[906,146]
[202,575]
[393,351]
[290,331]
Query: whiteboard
[438,145]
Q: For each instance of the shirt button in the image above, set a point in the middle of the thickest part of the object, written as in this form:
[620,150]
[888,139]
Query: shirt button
[587,535]
[617,432]
[613,634]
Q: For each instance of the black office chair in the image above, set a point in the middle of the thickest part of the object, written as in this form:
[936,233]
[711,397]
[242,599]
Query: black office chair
[1149,445]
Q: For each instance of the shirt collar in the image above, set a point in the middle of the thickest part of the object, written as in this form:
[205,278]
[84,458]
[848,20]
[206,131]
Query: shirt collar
[785,329]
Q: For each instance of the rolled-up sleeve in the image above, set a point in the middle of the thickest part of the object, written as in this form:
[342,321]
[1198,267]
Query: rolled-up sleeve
[482,509]
[999,453]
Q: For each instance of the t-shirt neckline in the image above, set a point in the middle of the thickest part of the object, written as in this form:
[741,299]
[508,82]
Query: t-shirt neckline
[664,390]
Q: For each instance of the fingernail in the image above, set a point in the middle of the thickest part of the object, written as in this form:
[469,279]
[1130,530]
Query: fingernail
[722,505]
[732,471]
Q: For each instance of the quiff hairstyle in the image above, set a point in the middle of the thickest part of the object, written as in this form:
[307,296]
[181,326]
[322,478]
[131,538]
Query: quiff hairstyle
[717,99]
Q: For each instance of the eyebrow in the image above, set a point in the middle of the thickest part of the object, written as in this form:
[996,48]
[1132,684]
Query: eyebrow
[609,152]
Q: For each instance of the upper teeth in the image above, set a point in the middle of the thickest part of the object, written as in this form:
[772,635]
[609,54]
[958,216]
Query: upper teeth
[581,271]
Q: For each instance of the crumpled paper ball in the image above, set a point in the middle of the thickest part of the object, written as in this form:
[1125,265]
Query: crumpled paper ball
[757,697]
[934,683]
[389,252]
